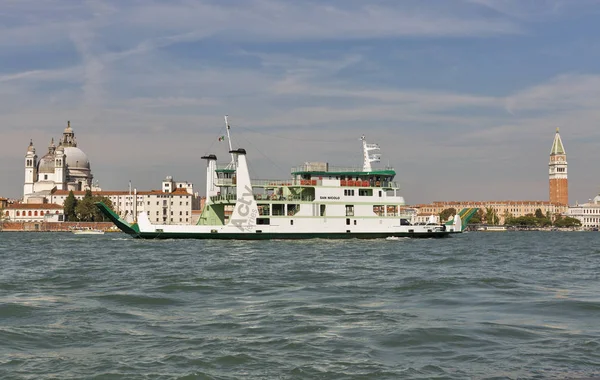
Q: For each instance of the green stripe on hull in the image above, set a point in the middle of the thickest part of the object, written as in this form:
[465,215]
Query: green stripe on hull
[131,229]
[287,236]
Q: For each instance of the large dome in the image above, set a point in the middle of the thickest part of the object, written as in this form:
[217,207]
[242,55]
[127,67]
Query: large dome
[76,158]
[46,164]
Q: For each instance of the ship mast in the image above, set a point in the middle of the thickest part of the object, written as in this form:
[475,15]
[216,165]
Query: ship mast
[369,157]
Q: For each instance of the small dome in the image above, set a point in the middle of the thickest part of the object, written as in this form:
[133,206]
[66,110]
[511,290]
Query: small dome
[46,164]
[597,199]
[76,158]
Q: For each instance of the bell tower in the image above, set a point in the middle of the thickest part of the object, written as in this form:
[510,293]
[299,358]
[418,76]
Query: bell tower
[30,169]
[559,184]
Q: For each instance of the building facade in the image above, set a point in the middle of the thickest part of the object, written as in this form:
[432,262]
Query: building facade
[587,213]
[173,206]
[559,183]
[63,167]
[31,212]
[502,209]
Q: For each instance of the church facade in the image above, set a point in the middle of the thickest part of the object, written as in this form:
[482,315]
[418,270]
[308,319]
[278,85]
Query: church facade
[62,167]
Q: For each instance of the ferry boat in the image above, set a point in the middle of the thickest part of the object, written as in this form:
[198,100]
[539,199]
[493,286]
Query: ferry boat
[318,201]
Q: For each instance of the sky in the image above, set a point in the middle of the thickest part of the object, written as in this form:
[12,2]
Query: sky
[463,96]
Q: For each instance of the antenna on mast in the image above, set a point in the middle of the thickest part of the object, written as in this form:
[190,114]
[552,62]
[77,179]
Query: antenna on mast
[227,128]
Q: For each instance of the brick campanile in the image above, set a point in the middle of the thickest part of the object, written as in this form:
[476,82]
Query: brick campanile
[559,184]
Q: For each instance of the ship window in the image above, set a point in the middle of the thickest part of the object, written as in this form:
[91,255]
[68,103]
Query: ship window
[292,209]
[355,222]
[278,210]
[348,221]
[365,192]
[380,193]
[378,210]
[322,210]
[349,210]
[263,221]
[392,210]
[263,209]
[291,222]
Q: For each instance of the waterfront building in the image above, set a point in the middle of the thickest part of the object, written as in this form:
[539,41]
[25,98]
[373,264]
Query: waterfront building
[173,204]
[587,213]
[63,167]
[3,202]
[559,183]
[33,212]
[502,209]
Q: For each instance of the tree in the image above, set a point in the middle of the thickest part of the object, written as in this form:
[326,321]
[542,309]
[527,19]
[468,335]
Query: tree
[69,207]
[567,222]
[477,218]
[447,213]
[98,215]
[490,216]
[507,217]
[539,214]
[86,208]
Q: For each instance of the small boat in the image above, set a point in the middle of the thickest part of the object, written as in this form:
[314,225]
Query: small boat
[492,229]
[86,231]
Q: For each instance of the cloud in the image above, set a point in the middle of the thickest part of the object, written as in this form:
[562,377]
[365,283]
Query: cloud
[151,81]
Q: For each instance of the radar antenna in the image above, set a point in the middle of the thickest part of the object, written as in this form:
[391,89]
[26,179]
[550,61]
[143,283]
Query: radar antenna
[370,154]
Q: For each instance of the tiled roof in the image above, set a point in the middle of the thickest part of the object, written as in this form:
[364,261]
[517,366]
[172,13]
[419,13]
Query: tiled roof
[34,206]
[107,193]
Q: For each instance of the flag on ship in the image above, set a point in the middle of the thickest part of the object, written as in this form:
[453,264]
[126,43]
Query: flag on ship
[222,138]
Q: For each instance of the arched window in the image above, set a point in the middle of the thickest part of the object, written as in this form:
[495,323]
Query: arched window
[29,213]
[35,213]
[18,213]
[6,213]
[56,212]
[47,212]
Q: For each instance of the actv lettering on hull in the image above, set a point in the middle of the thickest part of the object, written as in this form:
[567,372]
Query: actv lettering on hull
[245,212]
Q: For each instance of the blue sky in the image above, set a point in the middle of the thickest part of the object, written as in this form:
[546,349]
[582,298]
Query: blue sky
[463,96]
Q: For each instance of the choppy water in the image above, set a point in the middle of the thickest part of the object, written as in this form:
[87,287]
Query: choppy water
[481,305]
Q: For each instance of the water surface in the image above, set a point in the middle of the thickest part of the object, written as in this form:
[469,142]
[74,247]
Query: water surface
[480,305]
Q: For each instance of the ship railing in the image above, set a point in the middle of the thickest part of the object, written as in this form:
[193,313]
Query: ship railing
[284,198]
[223,198]
[334,169]
[225,166]
[365,183]
[264,197]
[307,182]
[270,182]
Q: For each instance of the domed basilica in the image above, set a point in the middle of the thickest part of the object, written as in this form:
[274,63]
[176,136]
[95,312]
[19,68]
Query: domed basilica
[63,167]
